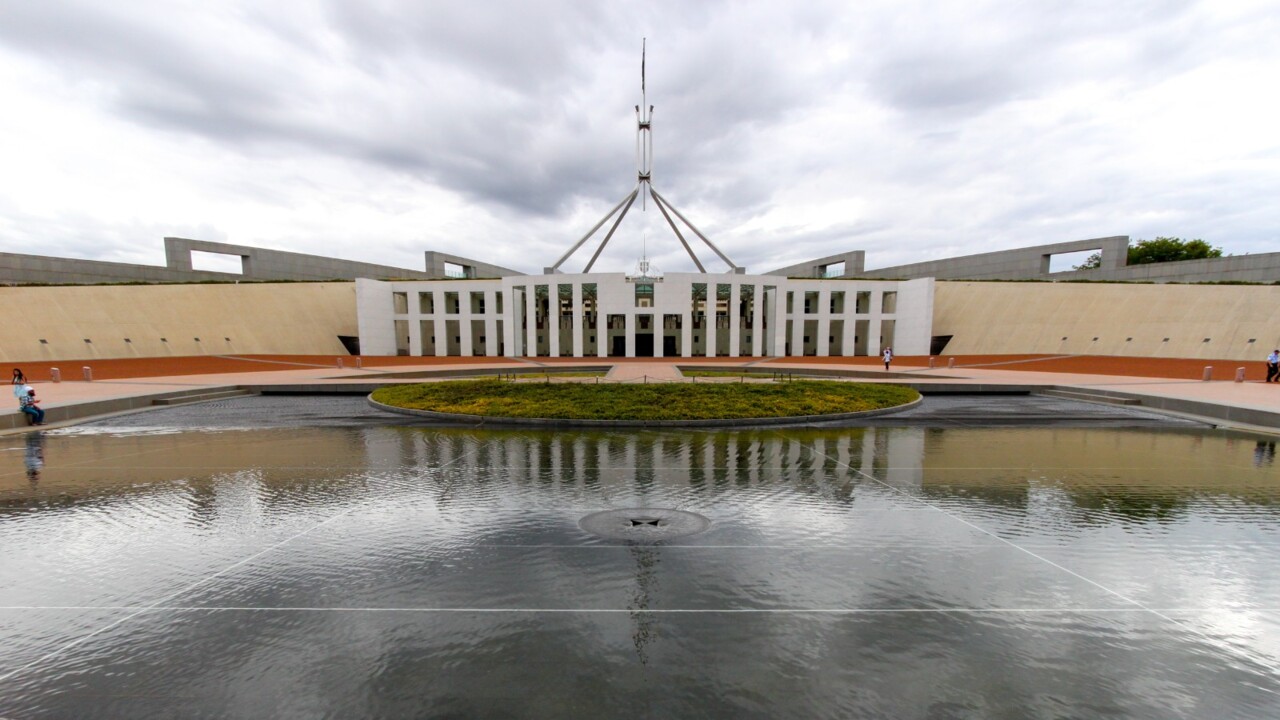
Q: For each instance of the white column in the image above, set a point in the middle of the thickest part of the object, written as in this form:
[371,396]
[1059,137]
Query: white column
[710,332]
[686,331]
[824,322]
[631,333]
[510,316]
[735,321]
[577,319]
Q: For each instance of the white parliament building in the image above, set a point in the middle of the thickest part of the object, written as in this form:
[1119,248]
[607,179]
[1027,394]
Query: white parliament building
[646,313]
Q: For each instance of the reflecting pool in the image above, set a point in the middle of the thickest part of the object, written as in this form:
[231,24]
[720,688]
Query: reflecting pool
[352,569]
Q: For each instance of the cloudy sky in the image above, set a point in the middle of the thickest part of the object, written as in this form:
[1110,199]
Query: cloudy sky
[503,130]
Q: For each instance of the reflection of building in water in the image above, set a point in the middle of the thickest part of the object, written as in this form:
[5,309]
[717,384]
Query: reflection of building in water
[1264,454]
[684,457]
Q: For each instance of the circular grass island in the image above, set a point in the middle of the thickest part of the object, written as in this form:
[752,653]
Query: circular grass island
[657,404]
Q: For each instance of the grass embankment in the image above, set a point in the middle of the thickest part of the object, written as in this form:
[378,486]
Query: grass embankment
[685,401]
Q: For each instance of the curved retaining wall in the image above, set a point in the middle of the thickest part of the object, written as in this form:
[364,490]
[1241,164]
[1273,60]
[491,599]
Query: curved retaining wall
[458,418]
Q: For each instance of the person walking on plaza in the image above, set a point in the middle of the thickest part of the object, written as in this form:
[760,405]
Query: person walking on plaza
[30,405]
[1273,366]
[888,356]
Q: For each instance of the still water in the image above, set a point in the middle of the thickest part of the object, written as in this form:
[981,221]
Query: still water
[350,570]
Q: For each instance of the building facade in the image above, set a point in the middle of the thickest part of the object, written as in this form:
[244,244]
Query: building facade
[616,315]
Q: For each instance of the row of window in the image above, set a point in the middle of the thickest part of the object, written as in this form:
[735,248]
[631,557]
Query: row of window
[644,298]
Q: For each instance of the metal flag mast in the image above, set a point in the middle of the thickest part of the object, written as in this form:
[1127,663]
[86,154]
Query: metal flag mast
[643,188]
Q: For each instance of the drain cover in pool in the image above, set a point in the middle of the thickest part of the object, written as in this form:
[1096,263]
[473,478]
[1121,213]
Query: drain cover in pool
[644,524]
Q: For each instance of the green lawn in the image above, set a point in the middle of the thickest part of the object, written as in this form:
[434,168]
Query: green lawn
[657,401]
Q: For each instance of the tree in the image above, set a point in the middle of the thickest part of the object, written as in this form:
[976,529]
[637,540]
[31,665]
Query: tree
[1161,249]
[1170,249]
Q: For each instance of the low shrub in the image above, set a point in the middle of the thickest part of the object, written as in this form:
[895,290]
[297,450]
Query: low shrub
[658,401]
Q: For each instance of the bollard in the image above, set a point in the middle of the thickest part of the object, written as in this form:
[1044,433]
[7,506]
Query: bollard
[88,373]
[951,362]
[1208,373]
[931,363]
[55,374]
[1240,375]
[340,364]
[359,361]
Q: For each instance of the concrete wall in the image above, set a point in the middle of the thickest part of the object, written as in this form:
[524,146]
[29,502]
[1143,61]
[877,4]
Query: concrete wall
[303,318]
[306,318]
[255,264]
[435,264]
[854,263]
[1127,320]
[263,264]
[1032,263]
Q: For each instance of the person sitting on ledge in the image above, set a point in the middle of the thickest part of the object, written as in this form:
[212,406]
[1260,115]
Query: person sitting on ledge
[30,405]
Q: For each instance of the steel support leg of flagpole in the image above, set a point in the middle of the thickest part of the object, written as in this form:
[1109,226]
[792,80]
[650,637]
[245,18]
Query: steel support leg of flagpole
[676,230]
[630,199]
[591,232]
[695,230]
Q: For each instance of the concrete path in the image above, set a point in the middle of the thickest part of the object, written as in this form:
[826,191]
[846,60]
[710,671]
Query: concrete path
[644,372]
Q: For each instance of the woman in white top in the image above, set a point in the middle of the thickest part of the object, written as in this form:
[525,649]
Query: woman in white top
[888,355]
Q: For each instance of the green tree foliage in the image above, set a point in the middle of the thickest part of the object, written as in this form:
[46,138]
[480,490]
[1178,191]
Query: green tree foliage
[1161,249]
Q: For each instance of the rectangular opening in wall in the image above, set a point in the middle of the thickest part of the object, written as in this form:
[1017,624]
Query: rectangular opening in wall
[644,335]
[644,294]
[451,306]
[402,337]
[834,270]
[810,302]
[672,335]
[886,335]
[455,270]
[400,303]
[217,262]
[453,338]
[862,305]
[542,317]
[497,298]
[837,302]
[1066,262]
[426,303]
[479,341]
[617,335]
[889,303]
[428,332]
[477,303]
[861,335]
[590,320]
[564,294]
[836,339]
[746,318]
